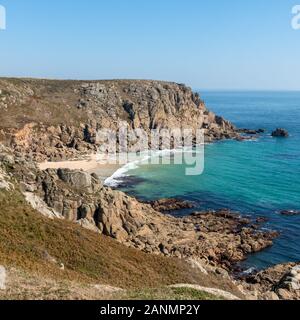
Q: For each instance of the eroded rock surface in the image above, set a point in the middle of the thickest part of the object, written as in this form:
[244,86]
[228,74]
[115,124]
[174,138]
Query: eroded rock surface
[60,119]
[212,241]
[220,239]
[167,205]
[278,282]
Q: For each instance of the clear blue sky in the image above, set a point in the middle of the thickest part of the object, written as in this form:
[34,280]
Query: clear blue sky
[213,44]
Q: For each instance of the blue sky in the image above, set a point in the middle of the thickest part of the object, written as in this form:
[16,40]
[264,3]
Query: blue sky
[216,44]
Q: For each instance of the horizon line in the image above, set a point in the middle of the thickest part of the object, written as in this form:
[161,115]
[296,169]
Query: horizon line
[246,90]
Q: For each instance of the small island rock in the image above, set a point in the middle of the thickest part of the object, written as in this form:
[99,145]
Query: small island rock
[280,133]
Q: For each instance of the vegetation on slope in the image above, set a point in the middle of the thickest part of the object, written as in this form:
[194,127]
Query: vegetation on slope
[39,246]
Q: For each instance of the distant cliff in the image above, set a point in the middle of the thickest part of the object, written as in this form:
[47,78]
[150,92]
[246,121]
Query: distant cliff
[52,119]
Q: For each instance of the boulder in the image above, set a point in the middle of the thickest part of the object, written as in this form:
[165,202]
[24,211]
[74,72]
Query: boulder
[291,280]
[78,180]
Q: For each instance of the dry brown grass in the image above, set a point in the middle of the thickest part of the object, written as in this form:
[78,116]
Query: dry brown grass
[89,258]
[25,236]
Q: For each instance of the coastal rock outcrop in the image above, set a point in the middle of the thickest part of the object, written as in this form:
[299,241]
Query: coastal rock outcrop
[280,133]
[291,280]
[4,184]
[278,282]
[78,180]
[167,205]
[251,131]
[61,118]
[219,239]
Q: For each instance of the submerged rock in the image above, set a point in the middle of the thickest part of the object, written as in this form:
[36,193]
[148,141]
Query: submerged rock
[251,131]
[290,212]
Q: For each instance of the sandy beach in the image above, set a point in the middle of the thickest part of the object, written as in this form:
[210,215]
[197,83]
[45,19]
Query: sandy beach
[92,165]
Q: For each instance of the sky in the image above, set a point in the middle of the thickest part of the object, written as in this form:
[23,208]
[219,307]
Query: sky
[215,44]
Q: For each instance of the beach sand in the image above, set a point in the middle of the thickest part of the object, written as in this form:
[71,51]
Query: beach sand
[103,169]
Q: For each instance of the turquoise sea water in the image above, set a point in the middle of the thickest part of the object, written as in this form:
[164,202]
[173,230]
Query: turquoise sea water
[257,178]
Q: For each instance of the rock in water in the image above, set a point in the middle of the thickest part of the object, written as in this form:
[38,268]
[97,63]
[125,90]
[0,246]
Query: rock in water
[290,212]
[251,131]
[280,133]
[165,205]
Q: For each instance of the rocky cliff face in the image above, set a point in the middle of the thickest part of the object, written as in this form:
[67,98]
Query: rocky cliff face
[209,241]
[59,119]
[219,239]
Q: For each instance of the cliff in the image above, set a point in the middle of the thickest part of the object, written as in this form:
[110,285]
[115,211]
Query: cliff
[54,120]
[210,242]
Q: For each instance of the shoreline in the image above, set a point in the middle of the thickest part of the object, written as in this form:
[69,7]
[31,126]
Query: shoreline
[90,165]
[110,172]
[226,237]
[107,172]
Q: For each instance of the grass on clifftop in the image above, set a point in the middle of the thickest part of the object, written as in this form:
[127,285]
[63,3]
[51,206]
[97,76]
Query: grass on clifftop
[27,240]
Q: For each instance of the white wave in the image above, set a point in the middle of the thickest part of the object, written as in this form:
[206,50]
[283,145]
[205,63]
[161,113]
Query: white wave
[116,178]
[249,271]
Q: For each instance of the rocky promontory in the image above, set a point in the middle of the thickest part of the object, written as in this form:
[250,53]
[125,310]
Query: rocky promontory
[55,120]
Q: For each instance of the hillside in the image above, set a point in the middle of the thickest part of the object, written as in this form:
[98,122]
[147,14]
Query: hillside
[52,119]
[33,249]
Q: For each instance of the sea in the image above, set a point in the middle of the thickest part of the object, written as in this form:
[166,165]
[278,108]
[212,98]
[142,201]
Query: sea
[258,178]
